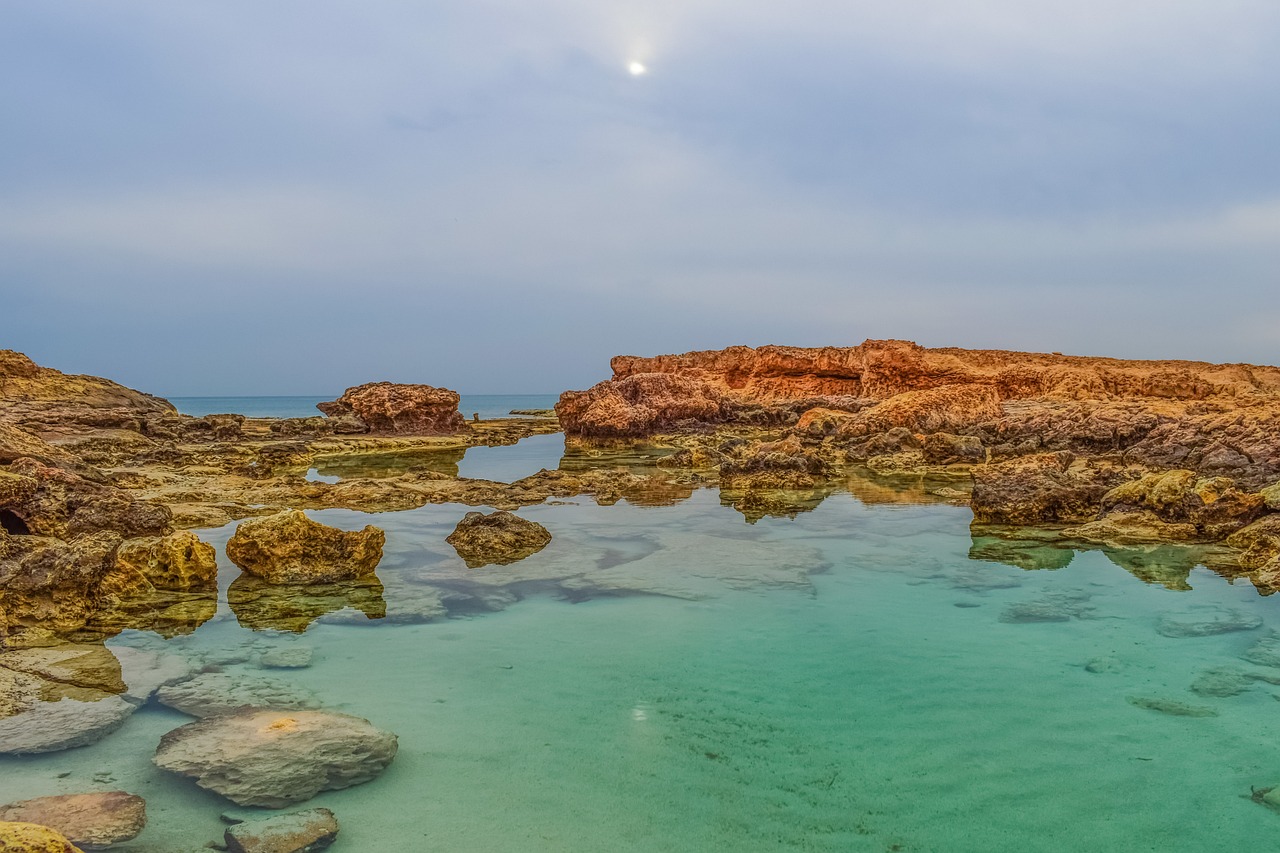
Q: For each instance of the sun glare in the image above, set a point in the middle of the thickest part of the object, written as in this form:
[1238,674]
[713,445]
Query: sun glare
[636,69]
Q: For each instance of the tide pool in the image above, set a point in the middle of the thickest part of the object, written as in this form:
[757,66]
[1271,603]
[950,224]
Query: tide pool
[671,678]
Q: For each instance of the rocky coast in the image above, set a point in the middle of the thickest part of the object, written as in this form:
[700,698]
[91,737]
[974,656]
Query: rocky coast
[106,495]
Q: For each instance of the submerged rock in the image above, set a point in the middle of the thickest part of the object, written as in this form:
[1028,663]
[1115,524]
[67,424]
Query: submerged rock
[67,723]
[1222,681]
[289,657]
[1206,622]
[290,548]
[1266,651]
[1051,607]
[215,693]
[498,538]
[388,408]
[92,821]
[33,838]
[1171,707]
[300,832]
[272,758]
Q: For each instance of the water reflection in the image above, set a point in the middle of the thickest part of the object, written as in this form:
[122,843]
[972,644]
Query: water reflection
[259,605]
[391,464]
[169,614]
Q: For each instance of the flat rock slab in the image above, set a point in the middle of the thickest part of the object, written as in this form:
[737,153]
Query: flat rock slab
[215,693]
[289,657]
[1207,622]
[300,832]
[92,821]
[52,726]
[274,758]
[33,838]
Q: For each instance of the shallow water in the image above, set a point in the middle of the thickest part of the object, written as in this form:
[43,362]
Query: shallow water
[847,680]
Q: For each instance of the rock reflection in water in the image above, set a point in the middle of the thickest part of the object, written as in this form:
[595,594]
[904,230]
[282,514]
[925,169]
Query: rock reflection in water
[381,465]
[169,614]
[285,607]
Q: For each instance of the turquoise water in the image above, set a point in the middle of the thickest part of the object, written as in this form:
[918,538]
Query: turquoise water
[673,679]
[488,406]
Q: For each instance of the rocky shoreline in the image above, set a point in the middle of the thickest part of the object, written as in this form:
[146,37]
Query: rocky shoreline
[1164,466]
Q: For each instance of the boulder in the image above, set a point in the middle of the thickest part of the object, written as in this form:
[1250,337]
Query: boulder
[499,538]
[289,548]
[273,758]
[638,405]
[92,821]
[33,838]
[179,562]
[300,832]
[388,408]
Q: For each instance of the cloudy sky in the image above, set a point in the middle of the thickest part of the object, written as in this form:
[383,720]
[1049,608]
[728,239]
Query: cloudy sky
[238,197]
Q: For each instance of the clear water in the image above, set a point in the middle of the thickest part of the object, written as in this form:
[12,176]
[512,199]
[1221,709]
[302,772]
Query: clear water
[842,681]
[488,406]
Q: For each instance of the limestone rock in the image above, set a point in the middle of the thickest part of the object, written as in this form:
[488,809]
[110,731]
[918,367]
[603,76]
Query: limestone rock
[271,758]
[1171,707]
[1259,542]
[1128,528]
[300,832]
[1054,487]
[288,657]
[33,838]
[393,409]
[290,548]
[67,723]
[179,562]
[215,693]
[498,538]
[92,821]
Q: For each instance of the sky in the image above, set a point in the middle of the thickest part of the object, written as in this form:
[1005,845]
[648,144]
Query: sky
[235,197]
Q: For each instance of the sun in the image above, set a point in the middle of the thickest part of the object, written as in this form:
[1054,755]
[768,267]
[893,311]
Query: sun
[636,68]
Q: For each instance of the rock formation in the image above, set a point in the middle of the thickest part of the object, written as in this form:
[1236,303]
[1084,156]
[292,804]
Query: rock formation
[499,538]
[273,758]
[48,399]
[93,821]
[290,548]
[388,408]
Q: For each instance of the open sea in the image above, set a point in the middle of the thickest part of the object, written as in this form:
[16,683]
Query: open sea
[666,676]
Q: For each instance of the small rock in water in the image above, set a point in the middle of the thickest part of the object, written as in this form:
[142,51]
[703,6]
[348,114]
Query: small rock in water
[300,832]
[92,820]
[1206,622]
[219,693]
[274,758]
[1057,607]
[1104,665]
[1171,707]
[1221,681]
[52,726]
[289,657]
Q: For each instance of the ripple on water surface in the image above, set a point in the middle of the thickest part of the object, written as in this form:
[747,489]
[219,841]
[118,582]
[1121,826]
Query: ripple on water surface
[863,677]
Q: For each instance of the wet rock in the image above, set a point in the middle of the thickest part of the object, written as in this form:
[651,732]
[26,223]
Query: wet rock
[1171,707]
[393,409]
[215,693]
[50,587]
[300,832]
[499,538]
[144,671]
[1206,622]
[260,757]
[69,670]
[289,657]
[1221,681]
[290,548]
[33,838]
[67,723]
[93,821]
[1259,542]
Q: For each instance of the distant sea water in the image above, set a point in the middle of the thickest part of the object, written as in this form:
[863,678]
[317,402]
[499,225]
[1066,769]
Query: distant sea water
[488,406]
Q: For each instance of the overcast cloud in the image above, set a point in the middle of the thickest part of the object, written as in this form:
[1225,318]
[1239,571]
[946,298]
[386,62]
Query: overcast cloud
[292,197]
